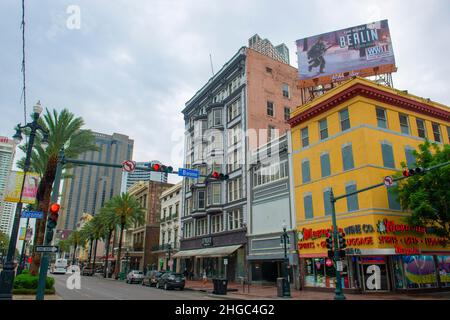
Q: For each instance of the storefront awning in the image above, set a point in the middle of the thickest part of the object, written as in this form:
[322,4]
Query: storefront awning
[208,252]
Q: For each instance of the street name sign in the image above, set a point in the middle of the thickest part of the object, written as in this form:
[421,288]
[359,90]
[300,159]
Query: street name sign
[339,266]
[189,173]
[52,249]
[32,214]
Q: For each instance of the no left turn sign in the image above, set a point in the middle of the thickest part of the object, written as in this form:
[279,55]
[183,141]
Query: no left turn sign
[128,165]
[388,181]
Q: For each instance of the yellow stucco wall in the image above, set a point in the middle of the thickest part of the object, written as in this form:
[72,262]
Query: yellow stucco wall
[365,138]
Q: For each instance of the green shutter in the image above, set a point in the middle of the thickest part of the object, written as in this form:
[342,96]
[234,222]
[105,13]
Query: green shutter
[388,155]
[352,201]
[307,201]
[306,175]
[327,202]
[325,164]
[347,157]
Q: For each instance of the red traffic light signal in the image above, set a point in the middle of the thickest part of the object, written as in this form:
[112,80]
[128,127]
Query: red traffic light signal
[219,176]
[30,260]
[412,171]
[54,208]
[156,167]
[215,175]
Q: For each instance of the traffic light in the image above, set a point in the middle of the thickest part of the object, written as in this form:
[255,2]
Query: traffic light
[413,171]
[341,241]
[219,176]
[161,168]
[329,241]
[54,214]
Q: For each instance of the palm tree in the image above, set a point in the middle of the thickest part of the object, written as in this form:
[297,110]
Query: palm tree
[75,240]
[128,211]
[64,132]
[109,220]
[87,235]
[64,246]
[98,232]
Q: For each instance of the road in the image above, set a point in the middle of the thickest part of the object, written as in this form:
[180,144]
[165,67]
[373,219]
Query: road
[98,288]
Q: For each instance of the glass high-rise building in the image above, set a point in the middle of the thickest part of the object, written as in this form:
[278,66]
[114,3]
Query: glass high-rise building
[91,186]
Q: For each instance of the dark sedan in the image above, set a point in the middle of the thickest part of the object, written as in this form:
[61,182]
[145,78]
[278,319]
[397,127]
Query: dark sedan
[171,280]
[152,277]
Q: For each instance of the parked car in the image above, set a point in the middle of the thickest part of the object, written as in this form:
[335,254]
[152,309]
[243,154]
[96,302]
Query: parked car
[87,271]
[152,277]
[171,280]
[135,276]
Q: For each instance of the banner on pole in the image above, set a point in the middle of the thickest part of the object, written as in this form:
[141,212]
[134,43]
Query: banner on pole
[22,233]
[12,192]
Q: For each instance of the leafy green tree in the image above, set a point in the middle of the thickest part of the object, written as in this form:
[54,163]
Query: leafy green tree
[65,130]
[98,233]
[427,196]
[128,211]
[75,240]
[110,221]
[87,235]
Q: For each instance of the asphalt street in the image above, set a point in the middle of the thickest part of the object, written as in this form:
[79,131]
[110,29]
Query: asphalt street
[98,288]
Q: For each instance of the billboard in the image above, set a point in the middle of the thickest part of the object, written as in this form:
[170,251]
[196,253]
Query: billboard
[12,192]
[363,50]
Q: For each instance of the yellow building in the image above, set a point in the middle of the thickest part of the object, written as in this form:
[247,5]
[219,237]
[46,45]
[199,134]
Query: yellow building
[348,139]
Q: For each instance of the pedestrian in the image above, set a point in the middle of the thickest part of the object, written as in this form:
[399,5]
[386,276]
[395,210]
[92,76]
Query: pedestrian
[205,279]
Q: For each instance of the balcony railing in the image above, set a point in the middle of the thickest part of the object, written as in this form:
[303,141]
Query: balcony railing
[165,247]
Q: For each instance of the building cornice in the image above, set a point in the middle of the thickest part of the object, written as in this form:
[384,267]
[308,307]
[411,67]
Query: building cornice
[363,90]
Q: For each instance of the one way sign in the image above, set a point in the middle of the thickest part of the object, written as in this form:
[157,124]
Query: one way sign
[52,249]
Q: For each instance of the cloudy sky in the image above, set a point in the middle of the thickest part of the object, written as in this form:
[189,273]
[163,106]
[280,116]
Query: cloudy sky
[132,64]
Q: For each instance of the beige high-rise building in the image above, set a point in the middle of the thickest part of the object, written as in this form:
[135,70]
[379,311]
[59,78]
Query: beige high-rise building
[91,186]
[7,151]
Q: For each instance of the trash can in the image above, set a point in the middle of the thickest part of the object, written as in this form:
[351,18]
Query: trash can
[283,287]
[121,275]
[220,286]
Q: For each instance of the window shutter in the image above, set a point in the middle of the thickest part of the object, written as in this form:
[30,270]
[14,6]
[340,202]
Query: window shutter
[307,200]
[410,158]
[306,176]
[352,201]
[392,200]
[325,164]
[388,155]
[347,157]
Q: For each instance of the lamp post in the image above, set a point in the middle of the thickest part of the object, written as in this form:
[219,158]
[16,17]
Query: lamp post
[7,275]
[127,257]
[339,295]
[286,286]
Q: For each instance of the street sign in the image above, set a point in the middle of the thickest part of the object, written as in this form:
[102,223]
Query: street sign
[339,266]
[52,249]
[128,165]
[388,181]
[225,261]
[32,214]
[189,173]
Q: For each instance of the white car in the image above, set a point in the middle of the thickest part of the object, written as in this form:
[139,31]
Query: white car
[135,276]
[60,267]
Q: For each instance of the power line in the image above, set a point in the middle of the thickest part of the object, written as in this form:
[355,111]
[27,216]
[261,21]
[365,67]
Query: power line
[24,95]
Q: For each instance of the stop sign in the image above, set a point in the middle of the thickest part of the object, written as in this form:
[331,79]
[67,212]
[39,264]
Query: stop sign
[329,262]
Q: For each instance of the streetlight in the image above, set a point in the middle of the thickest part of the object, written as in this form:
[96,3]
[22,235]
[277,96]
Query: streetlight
[7,275]
[127,257]
[285,241]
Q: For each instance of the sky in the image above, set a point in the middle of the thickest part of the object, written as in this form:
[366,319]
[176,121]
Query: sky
[132,64]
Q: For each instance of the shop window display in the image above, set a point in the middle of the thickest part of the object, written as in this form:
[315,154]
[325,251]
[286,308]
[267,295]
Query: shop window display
[444,270]
[318,274]
[420,271]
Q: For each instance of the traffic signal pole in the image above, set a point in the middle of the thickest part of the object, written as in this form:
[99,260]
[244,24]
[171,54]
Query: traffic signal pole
[49,231]
[62,160]
[339,295]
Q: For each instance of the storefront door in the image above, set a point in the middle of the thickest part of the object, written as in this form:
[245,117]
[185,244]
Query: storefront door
[374,273]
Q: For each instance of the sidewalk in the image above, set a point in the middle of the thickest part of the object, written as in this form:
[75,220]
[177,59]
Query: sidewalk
[261,292]
[33,297]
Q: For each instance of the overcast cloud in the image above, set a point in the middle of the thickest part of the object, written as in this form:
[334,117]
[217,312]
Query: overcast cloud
[133,64]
